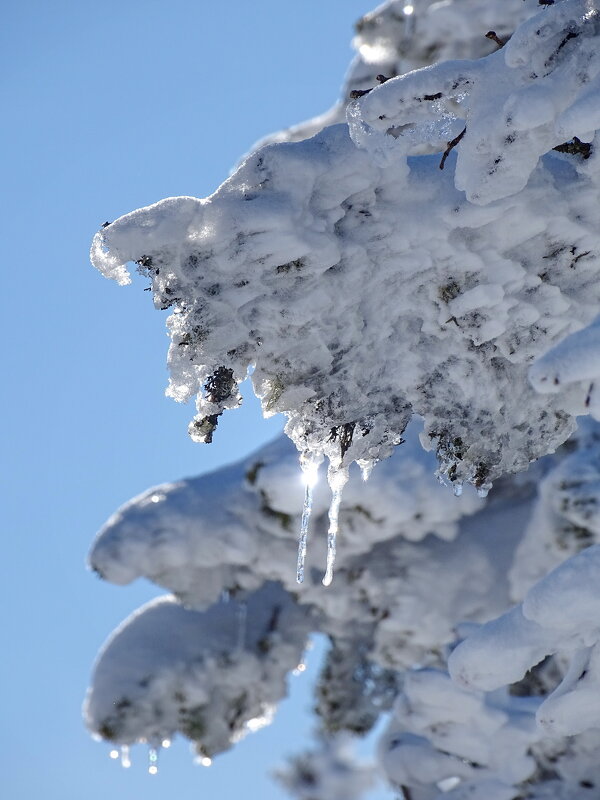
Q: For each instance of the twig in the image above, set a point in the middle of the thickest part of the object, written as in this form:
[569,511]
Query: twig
[356,93]
[495,38]
[575,148]
[451,145]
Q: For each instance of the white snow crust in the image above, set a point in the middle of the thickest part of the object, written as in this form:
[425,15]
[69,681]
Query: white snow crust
[214,675]
[362,285]
[415,564]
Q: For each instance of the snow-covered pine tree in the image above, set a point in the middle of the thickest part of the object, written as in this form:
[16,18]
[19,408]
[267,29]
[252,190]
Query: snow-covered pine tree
[413,277]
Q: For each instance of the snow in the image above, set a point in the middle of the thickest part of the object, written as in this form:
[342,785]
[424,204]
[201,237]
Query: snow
[575,358]
[434,322]
[500,652]
[297,266]
[439,732]
[404,590]
[559,614]
[331,770]
[169,669]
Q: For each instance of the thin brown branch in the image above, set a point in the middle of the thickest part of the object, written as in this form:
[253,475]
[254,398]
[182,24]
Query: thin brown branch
[451,145]
[495,38]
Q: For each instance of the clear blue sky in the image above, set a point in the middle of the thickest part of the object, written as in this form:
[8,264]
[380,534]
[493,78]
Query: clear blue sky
[108,106]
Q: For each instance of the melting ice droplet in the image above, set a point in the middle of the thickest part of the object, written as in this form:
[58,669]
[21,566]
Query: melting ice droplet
[337,480]
[366,468]
[153,761]
[310,475]
[125,760]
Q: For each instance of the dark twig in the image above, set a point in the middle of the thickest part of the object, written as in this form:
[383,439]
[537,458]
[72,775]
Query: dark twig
[451,145]
[356,93]
[575,148]
[588,399]
[495,38]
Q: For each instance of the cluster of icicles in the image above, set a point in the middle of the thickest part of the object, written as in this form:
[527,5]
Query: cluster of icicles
[123,755]
[337,479]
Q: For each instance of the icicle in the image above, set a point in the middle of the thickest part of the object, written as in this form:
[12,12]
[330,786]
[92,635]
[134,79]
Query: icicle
[457,488]
[205,761]
[366,467]
[337,480]
[483,490]
[242,619]
[153,760]
[310,476]
[302,546]
[125,760]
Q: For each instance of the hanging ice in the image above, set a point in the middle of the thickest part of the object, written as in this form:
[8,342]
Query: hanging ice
[366,468]
[153,760]
[337,480]
[299,669]
[125,759]
[310,476]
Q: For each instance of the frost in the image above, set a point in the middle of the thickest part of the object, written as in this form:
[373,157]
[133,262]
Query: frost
[425,274]
[297,264]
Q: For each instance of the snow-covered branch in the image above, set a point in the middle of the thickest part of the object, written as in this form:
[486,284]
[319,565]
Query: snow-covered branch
[364,287]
